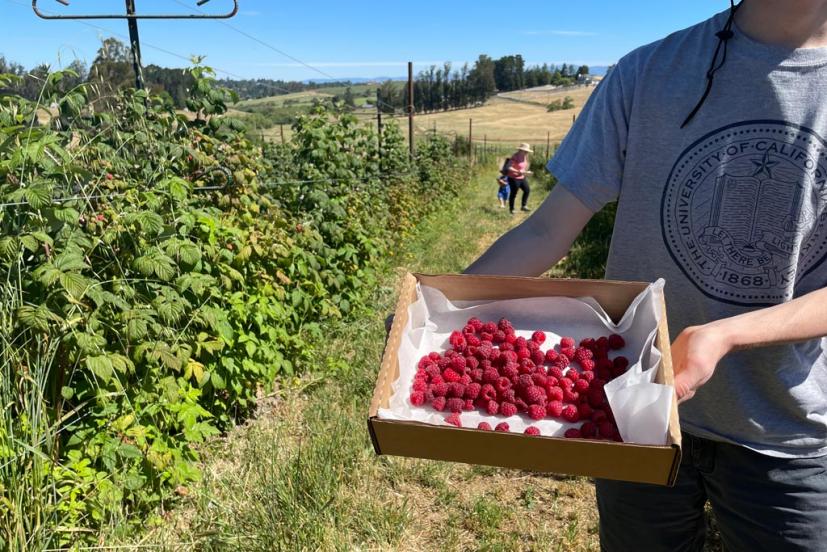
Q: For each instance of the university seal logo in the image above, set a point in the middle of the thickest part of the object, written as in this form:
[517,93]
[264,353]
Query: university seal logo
[742,211]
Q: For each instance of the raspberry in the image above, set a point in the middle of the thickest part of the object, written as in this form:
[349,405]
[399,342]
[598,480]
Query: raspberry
[531,430]
[502,426]
[438,403]
[485,426]
[510,370]
[488,392]
[562,361]
[554,394]
[420,385]
[424,362]
[551,381]
[484,350]
[502,385]
[439,389]
[588,376]
[573,375]
[450,375]
[469,404]
[527,366]
[521,405]
[601,346]
[466,379]
[492,407]
[490,375]
[468,329]
[508,409]
[588,343]
[568,352]
[554,409]
[443,363]
[606,429]
[537,357]
[485,364]
[551,355]
[476,375]
[498,337]
[504,324]
[570,396]
[538,337]
[417,398]
[535,395]
[572,433]
[587,365]
[472,340]
[509,396]
[555,372]
[506,346]
[585,411]
[489,327]
[524,382]
[455,404]
[620,365]
[510,337]
[520,343]
[581,354]
[616,342]
[536,411]
[539,379]
[596,397]
[455,390]
[599,416]
[471,363]
[453,419]
[604,374]
[588,430]
[532,346]
[581,385]
[472,390]
[434,356]
[566,383]
[570,413]
[566,342]
[523,352]
[475,322]
[495,355]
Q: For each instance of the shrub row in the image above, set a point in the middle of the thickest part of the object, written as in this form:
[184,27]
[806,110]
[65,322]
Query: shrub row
[161,272]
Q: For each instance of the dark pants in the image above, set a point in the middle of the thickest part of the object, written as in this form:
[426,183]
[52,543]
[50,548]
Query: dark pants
[518,185]
[760,503]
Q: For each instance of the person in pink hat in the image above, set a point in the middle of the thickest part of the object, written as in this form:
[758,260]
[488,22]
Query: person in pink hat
[517,173]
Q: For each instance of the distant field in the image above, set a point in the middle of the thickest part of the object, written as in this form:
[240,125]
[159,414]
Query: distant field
[505,121]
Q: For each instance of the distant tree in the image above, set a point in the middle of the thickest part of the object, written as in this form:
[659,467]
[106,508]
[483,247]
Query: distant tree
[583,70]
[348,98]
[482,80]
[112,68]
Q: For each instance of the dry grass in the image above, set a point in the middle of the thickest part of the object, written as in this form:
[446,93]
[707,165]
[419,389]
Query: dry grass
[502,120]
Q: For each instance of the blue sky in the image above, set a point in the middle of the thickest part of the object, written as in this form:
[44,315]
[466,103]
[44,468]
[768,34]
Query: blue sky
[356,38]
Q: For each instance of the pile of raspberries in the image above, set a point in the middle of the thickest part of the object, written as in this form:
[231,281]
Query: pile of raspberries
[491,369]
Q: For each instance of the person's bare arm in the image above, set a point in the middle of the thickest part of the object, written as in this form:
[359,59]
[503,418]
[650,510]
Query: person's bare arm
[538,243]
[698,349]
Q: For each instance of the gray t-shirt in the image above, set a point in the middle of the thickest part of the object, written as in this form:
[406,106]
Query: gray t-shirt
[729,210]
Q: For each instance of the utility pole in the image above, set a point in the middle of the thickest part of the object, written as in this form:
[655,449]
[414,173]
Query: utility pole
[281,129]
[411,146]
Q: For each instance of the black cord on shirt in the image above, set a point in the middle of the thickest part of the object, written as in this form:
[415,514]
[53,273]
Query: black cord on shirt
[724,35]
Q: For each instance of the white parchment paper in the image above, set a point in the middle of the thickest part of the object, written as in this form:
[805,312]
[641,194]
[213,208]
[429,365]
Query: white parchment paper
[641,407]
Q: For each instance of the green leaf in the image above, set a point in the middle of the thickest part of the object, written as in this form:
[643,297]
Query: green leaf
[101,366]
[67,392]
[75,284]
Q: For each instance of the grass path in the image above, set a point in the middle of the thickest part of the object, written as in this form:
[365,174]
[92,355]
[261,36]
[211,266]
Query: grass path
[303,474]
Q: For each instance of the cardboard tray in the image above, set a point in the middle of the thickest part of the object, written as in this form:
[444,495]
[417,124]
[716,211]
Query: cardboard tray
[603,459]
